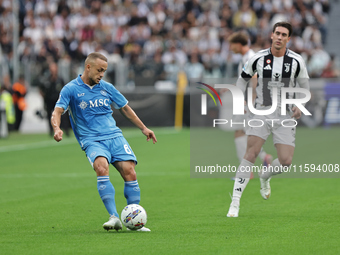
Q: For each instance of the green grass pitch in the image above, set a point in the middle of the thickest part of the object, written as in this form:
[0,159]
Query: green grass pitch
[49,203]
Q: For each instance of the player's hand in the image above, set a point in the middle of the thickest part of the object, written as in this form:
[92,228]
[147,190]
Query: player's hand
[58,135]
[149,135]
[296,113]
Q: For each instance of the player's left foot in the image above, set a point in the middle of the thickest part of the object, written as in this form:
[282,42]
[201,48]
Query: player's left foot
[265,185]
[265,188]
[113,223]
[143,229]
[233,211]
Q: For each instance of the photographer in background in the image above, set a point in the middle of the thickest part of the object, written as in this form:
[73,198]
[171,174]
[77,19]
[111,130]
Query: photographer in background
[18,93]
[50,84]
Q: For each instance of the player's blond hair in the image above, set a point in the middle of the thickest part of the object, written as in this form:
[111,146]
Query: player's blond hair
[93,56]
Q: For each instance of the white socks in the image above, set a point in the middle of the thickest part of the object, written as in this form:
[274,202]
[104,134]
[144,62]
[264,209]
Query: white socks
[241,180]
[241,146]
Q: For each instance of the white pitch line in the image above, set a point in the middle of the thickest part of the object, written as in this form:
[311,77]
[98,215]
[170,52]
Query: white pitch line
[67,141]
[42,144]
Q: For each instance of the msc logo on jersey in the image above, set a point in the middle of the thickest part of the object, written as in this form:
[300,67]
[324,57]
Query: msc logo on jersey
[99,102]
[94,103]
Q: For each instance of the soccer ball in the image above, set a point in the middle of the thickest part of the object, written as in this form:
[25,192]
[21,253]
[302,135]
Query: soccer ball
[133,216]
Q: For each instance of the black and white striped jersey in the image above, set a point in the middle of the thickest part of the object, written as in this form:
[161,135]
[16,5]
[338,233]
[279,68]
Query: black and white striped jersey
[274,72]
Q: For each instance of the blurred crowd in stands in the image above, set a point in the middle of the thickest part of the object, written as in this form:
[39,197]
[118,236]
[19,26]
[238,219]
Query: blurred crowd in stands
[157,38]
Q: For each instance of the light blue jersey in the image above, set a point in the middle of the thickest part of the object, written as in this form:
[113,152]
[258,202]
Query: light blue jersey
[90,110]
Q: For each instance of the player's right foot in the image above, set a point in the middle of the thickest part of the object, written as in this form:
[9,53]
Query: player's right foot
[233,211]
[265,188]
[113,223]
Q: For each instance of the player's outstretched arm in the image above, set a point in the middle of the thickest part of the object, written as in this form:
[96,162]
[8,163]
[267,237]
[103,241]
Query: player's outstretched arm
[132,116]
[55,122]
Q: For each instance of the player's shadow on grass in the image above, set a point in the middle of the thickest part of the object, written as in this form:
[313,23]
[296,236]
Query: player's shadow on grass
[124,231]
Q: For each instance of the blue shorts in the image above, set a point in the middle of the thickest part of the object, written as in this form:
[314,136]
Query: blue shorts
[114,149]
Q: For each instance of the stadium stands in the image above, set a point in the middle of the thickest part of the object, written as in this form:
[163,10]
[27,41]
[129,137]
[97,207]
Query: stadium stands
[133,32]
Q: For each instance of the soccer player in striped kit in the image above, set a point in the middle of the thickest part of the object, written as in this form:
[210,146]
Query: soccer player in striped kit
[275,67]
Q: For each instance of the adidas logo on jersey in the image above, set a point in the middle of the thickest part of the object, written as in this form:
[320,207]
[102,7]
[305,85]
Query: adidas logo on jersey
[267,67]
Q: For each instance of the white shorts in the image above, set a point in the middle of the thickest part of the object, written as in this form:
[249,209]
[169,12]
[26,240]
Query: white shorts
[240,119]
[283,128]
[226,113]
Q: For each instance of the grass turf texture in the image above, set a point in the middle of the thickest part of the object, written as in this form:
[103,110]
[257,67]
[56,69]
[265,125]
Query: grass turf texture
[49,202]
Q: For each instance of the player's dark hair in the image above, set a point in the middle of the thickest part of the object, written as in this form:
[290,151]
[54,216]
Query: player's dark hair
[93,56]
[239,37]
[285,25]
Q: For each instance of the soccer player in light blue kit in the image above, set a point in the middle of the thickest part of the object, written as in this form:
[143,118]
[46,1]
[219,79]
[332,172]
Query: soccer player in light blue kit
[88,99]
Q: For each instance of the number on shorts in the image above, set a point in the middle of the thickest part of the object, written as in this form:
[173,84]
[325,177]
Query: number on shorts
[127,149]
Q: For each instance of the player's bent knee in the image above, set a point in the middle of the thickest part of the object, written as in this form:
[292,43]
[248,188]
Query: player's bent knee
[286,161]
[101,166]
[250,156]
[130,175]
[127,170]
[102,171]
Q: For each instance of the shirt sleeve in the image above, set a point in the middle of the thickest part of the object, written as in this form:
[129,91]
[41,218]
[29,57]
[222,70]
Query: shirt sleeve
[246,75]
[118,100]
[64,98]
[303,74]
[303,77]
[248,69]
[241,83]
